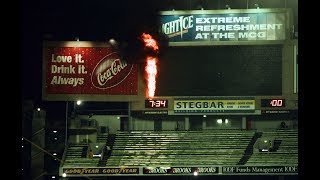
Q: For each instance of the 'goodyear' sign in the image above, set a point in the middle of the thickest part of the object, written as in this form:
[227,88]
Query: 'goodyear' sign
[92,171]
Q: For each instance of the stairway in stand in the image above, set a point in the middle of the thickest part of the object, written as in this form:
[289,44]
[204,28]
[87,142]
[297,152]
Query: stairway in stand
[102,138]
[249,150]
[110,141]
[276,144]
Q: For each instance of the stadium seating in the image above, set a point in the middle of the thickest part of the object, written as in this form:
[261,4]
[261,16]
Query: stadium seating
[172,148]
[285,149]
[75,157]
[189,148]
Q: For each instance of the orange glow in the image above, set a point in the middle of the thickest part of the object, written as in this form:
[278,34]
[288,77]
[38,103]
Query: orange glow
[151,70]
[151,65]
[150,42]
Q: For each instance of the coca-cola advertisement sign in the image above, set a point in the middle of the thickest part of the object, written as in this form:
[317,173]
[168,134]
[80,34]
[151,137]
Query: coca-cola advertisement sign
[88,70]
[108,68]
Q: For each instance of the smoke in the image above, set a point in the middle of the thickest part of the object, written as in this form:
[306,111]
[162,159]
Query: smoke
[132,48]
[139,18]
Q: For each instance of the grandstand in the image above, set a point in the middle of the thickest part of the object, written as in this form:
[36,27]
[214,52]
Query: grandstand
[208,148]
[172,148]
[284,151]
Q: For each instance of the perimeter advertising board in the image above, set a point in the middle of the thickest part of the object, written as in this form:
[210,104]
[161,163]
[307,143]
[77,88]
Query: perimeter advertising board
[180,171]
[100,171]
[203,26]
[85,68]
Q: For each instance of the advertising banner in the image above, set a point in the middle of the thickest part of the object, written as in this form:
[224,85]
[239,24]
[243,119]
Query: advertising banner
[180,170]
[159,112]
[97,171]
[87,70]
[260,170]
[215,105]
[224,25]
[277,111]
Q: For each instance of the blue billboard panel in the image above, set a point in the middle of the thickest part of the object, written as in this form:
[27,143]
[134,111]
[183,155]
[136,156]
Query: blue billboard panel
[226,25]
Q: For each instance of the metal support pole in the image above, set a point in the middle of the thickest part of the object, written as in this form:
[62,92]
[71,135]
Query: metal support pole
[130,121]
[285,3]
[66,135]
[74,107]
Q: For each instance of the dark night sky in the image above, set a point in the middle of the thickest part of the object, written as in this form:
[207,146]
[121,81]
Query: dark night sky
[96,20]
[92,20]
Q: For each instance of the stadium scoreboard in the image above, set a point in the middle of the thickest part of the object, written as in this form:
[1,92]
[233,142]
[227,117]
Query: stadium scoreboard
[156,103]
[273,103]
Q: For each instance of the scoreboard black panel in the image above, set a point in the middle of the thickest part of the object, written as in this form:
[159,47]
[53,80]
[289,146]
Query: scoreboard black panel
[246,70]
[156,103]
[273,103]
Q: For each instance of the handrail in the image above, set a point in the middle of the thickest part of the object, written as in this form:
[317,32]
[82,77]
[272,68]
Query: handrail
[64,154]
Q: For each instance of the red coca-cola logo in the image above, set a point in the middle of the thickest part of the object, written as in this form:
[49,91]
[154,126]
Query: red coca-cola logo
[110,71]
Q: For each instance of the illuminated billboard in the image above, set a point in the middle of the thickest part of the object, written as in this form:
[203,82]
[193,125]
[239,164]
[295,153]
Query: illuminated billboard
[79,68]
[215,105]
[203,26]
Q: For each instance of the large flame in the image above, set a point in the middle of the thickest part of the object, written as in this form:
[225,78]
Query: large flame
[151,65]
[151,71]
[150,42]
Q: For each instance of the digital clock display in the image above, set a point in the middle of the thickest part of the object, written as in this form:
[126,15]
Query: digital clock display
[156,103]
[273,103]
